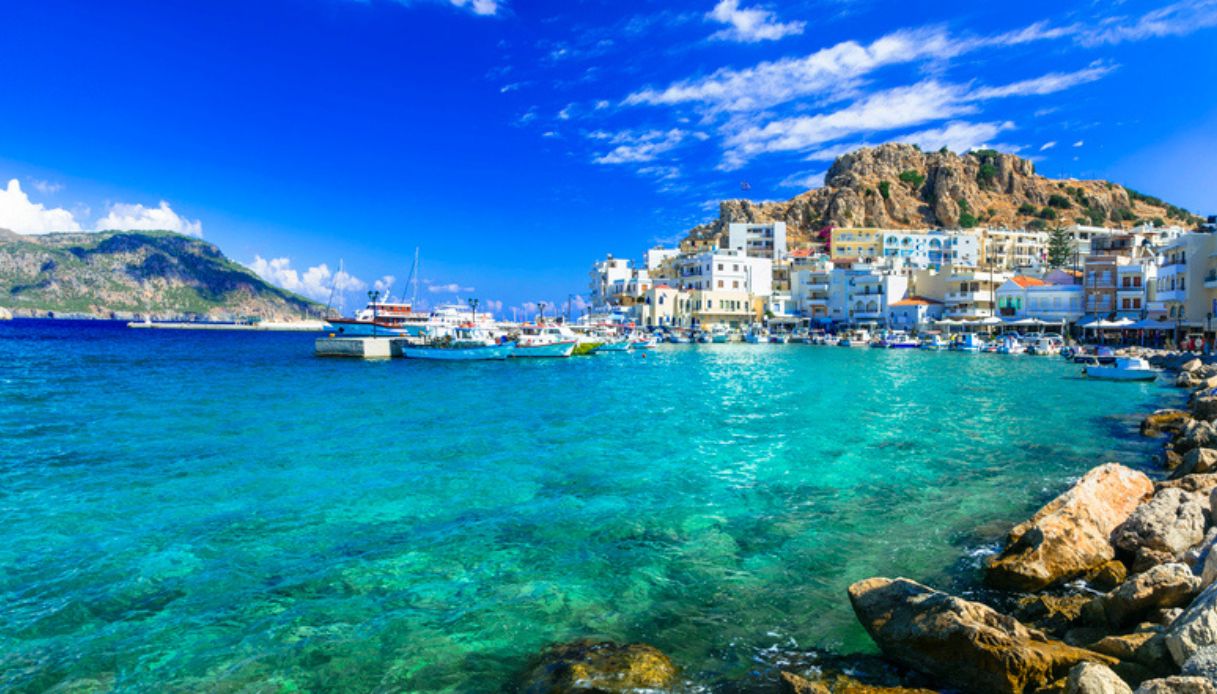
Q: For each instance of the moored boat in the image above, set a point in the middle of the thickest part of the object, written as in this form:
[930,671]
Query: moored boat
[854,338]
[1124,369]
[459,344]
[545,340]
[935,342]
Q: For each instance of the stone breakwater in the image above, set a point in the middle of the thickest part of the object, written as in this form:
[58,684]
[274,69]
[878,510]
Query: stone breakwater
[1110,588]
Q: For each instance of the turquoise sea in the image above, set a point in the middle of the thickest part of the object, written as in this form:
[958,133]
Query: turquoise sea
[193,512]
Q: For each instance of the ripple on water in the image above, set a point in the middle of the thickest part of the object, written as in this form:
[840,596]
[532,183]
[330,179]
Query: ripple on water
[199,512]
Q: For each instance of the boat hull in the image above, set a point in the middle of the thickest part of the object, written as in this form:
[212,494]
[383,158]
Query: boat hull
[354,328]
[622,346]
[486,353]
[1111,373]
[553,349]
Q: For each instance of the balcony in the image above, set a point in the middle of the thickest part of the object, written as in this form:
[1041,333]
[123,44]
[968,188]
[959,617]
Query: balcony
[867,315]
[1173,295]
[984,295]
[1210,280]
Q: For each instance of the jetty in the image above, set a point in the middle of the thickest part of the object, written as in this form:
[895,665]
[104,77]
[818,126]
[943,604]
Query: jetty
[303,326]
[360,347]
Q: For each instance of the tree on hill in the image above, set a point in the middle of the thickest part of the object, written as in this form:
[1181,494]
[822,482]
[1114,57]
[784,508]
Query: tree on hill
[1061,247]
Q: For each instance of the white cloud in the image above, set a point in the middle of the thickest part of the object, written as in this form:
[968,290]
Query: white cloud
[482,7]
[832,71]
[1079,143]
[18,214]
[637,147]
[450,288]
[1047,145]
[805,180]
[317,282]
[384,284]
[127,216]
[1179,19]
[892,109]
[45,187]
[750,25]
[566,112]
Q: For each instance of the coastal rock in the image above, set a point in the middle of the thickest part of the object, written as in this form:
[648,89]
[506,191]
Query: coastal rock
[1143,647]
[5,314]
[1203,663]
[1197,460]
[1170,522]
[1051,613]
[1092,678]
[1163,586]
[839,684]
[1071,534]
[1186,379]
[601,666]
[1177,685]
[966,644]
[1205,407]
[1203,483]
[1195,434]
[1195,629]
[1164,422]
[1191,366]
[1107,576]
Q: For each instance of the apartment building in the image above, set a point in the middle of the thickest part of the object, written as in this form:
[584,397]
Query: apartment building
[758,240]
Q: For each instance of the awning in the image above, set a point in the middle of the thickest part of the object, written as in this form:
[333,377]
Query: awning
[1028,322]
[1150,324]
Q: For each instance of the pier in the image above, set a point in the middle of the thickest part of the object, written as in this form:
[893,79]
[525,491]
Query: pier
[360,347]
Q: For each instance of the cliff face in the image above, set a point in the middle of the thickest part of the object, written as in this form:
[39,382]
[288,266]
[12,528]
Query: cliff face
[899,186]
[155,273]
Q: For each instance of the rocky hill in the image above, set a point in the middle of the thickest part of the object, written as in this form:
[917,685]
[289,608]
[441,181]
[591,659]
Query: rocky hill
[134,273]
[898,186]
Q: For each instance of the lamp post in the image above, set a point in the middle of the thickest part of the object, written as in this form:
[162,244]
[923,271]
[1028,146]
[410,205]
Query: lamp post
[541,311]
[473,306]
[373,295]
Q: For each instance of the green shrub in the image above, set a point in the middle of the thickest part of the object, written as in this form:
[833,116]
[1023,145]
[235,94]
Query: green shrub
[1096,216]
[1159,222]
[1047,213]
[1059,201]
[963,205]
[1027,209]
[1124,214]
[913,178]
[966,220]
[885,189]
[986,175]
[1036,225]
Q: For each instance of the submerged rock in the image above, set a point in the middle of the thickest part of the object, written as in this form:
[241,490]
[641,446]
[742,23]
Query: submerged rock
[839,684]
[1071,534]
[603,667]
[1164,422]
[1092,678]
[1170,522]
[966,644]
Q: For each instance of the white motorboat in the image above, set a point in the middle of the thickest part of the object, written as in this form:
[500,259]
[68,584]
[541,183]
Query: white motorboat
[855,338]
[1124,369]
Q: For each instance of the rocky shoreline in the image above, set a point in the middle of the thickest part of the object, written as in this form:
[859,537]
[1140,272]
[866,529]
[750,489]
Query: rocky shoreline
[1110,588]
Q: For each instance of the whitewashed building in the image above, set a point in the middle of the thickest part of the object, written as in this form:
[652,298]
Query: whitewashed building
[726,270]
[767,240]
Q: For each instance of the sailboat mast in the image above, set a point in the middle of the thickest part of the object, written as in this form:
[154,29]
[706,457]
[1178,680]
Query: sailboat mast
[414,276]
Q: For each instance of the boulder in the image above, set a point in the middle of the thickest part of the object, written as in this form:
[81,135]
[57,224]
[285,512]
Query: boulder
[1143,647]
[1191,483]
[966,644]
[1107,576]
[1170,522]
[1163,586]
[1191,365]
[1051,613]
[1204,407]
[1195,434]
[1203,663]
[1197,460]
[1092,678]
[1208,570]
[1186,379]
[1177,685]
[1195,629]
[1164,422]
[1071,534]
[602,667]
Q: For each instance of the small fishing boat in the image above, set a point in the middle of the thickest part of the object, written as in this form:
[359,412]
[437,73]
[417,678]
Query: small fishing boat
[612,346]
[854,338]
[901,340]
[460,344]
[970,342]
[643,342]
[935,342]
[1011,345]
[1124,369]
[756,335]
[679,338]
[545,340]
[1045,346]
[719,334]
[779,338]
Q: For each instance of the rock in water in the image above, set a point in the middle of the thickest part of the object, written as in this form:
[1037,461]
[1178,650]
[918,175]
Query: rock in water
[1071,534]
[1164,422]
[1205,407]
[1197,461]
[966,644]
[602,667]
[1171,522]
[1092,678]
[839,684]
[1177,685]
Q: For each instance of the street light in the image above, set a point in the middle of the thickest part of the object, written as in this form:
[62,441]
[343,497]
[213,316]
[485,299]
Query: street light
[373,295]
[473,306]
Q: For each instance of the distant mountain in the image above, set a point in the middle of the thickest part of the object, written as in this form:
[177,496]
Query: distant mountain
[898,186]
[129,273]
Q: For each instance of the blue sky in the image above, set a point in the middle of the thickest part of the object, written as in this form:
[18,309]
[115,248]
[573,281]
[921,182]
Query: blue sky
[515,142]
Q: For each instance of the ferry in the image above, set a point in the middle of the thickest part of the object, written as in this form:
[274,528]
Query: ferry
[462,343]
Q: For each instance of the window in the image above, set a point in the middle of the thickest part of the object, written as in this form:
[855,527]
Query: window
[735,284]
[720,267]
[720,284]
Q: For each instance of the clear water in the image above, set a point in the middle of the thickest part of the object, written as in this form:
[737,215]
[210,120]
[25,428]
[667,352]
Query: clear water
[213,512]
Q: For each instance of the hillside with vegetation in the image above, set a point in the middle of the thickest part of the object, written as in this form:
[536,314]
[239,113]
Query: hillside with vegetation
[898,186]
[126,274]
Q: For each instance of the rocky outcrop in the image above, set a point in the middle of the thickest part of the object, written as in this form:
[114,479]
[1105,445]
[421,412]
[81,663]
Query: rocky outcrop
[1177,685]
[898,186]
[1195,434]
[1166,525]
[966,644]
[602,667]
[1071,534]
[1197,461]
[838,684]
[1092,678]
[1164,422]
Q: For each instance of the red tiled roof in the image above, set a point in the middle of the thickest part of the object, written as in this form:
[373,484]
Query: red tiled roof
[915,301]
[801,253]
[1024,281]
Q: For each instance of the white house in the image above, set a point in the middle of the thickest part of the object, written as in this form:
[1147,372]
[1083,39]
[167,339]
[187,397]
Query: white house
[758,240]
[606,275]
[920,250]
[912,312]
[727,270]
[1030,297]
[859,293]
